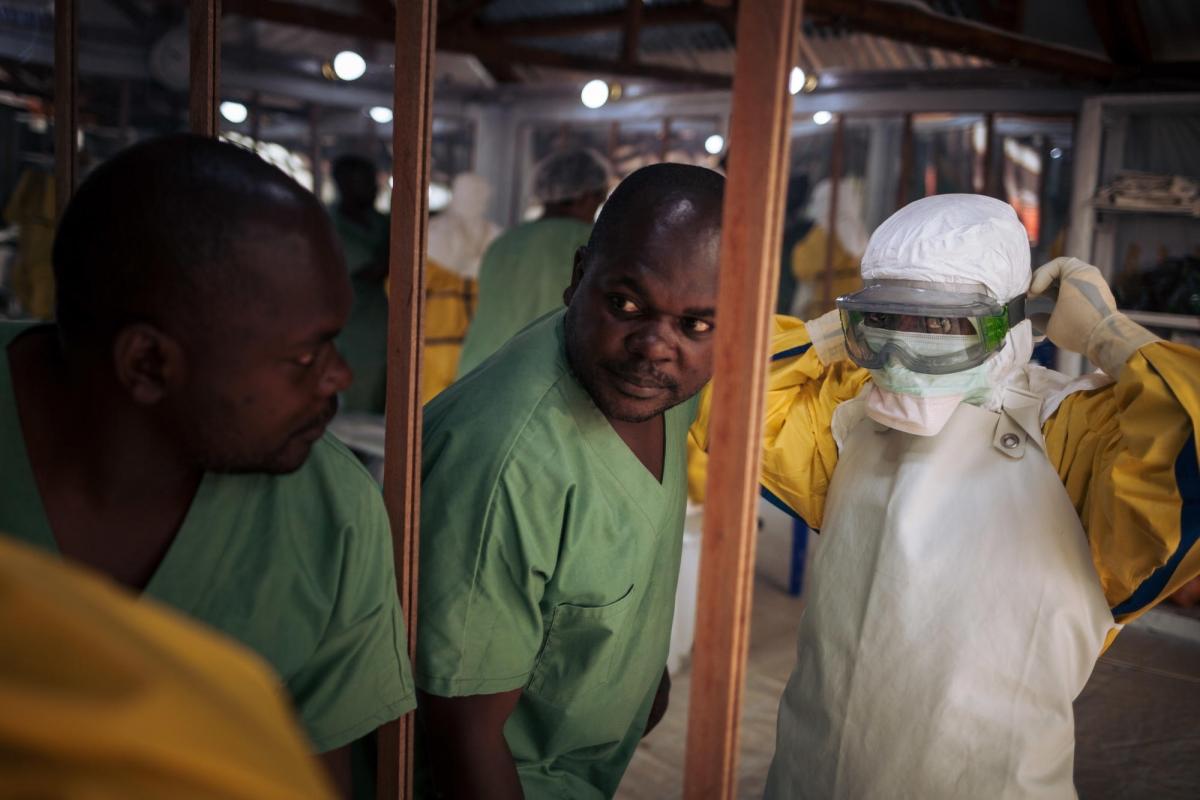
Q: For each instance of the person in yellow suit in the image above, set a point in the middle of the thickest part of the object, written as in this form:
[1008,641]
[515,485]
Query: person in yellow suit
[31,206]
[986,524]
[109,696]
[450,301]
[847,236]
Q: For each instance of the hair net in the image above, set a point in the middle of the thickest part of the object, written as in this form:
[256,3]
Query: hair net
[567,175]
[953,238]
[961,238]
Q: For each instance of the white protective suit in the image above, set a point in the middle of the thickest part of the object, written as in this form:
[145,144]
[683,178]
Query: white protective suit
[954,611]
[459,236]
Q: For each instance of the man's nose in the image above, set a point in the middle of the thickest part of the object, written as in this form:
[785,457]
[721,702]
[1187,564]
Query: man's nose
[338,376]
[652,341]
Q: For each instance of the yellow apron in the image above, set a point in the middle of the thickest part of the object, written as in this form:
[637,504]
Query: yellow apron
[954,615]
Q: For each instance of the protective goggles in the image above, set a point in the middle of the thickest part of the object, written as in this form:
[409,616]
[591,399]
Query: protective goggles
[934,328]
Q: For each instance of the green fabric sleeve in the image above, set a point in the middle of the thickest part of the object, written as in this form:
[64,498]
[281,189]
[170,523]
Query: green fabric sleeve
[359,677]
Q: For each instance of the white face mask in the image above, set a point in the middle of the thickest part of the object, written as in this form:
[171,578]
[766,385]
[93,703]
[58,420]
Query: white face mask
[920,403]
[971,384]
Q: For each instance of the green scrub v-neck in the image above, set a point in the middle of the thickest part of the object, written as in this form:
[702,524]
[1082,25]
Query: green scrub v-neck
[549,558]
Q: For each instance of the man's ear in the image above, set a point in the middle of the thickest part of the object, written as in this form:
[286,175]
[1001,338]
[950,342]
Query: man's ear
[576,276]
[149,363]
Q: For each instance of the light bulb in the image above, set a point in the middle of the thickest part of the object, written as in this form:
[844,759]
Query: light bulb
[349,65]
[796,80]
[381,114]
[234,112]
[594,94]
[714,144]
[822,117]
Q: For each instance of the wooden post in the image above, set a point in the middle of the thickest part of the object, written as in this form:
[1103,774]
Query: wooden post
[835,180]
[204,59]
[631,37]
[985,182]
[907,155]
[66,84]
[664,139]
[755,194]
[416,23]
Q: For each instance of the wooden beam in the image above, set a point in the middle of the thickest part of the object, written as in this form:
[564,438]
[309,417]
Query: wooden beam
[755,195]
[66,106]
[835,180]
[204,58]
[1121,28]
[491,48]
[929,29]
[480,43]
[415,31]
[631,34]
[576,24]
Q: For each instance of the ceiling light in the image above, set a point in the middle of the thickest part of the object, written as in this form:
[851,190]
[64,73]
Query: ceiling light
[1056,152]
[349,65]
[714,144]
[381,114]
[796,81]
[822,117]
[234,112]
[594,94]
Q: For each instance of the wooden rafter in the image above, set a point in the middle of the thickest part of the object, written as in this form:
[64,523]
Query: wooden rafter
[576,24]
[1121,28]
[204,40]
[917,26]
[66,106]
[635,10]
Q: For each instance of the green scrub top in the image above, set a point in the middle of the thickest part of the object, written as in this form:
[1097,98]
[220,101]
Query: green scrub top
[363,342]
[523,275]
[297,567]
[549,558]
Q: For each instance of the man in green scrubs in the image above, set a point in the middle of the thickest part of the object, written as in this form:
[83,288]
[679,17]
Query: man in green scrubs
[553,493]
[364,234]
[525,271]
[168,430]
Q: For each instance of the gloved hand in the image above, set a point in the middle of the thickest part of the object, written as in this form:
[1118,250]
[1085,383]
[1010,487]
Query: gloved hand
[827,338]
[1085,317]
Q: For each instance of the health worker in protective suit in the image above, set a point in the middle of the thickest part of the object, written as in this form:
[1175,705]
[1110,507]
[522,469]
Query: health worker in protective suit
[986,524]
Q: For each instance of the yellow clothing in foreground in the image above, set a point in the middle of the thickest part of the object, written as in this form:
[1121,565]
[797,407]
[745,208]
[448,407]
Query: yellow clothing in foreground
[1126,453]
[808,266]
[450,301]
[108,696]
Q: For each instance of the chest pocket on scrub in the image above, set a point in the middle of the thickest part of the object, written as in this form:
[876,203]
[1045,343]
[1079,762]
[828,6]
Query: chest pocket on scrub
[580,648]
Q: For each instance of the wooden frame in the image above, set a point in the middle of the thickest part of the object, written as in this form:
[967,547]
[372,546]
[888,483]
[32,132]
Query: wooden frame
[66,106]
[204,66]
[755,194]
[416,22]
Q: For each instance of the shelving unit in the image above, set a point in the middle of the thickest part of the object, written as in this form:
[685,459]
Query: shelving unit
[1098,230]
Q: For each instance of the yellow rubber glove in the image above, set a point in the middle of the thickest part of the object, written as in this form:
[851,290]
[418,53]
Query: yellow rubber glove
[827,338]
[1085,317]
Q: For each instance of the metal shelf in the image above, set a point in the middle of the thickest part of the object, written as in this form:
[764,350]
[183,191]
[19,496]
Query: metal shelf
[1152,212]
[1155,319]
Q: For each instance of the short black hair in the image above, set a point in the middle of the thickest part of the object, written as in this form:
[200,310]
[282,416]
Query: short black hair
[152,231]
[656,188]
[345,165]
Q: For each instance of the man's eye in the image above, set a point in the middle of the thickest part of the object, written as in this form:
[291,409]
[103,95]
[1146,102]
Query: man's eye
[698,325]
[623,304]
